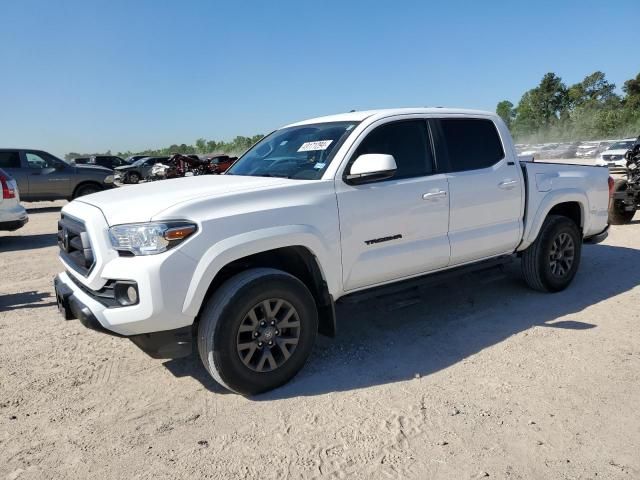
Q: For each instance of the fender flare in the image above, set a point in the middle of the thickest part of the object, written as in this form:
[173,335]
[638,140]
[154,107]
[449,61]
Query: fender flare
[549,201]
[238,246]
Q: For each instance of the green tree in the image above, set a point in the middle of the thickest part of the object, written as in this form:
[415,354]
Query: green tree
[541,107]
[593,91]
[632,90]
[505,110]
[201,145]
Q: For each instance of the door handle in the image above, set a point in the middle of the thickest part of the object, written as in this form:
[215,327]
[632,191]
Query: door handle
[434,195]
[508,184]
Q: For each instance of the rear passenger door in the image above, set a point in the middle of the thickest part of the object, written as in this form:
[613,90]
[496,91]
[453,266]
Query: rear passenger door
[397,227]
[485,187]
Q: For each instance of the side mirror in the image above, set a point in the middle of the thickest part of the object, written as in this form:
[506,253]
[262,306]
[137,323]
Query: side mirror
[59,166]
[371,167]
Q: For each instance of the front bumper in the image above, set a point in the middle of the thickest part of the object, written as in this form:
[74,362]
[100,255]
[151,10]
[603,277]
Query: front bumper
[12,225]
[612,164]
[73,303]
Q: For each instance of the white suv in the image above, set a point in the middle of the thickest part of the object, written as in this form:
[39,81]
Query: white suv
[613,157]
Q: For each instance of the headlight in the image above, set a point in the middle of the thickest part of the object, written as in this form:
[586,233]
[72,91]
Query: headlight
[149,238]
[108,179]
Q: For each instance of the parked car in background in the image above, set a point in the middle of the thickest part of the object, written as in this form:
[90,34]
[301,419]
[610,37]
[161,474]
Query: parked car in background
[613,157]
[42,176]
[565,150]
[529,150]
[592,149]
[544,151]
[12,215]
[219,163]
[107,161]
[138,170]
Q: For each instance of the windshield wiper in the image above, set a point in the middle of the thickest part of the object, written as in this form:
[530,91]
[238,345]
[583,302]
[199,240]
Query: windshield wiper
[274,176]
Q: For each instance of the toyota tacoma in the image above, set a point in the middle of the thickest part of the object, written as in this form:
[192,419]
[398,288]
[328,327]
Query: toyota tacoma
[248,265]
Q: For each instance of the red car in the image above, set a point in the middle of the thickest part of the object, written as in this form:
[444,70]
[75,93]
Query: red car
[220,163]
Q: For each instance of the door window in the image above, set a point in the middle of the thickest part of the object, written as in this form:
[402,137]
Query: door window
[42,160]
[9,160]
[407,141]
[471,143]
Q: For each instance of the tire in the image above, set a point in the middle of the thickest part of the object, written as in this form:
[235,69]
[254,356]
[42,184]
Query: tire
[617,214]
[87,190]
[220,338]
[542,267]
[133,177]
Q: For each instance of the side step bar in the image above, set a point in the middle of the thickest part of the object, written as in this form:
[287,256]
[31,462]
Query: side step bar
[427,280]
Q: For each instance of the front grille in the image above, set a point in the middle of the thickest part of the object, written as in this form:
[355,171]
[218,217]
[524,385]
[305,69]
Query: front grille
[75,247]
[612,158]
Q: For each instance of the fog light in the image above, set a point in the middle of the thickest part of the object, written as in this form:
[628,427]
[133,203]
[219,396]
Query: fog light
[132,295]
[126,293]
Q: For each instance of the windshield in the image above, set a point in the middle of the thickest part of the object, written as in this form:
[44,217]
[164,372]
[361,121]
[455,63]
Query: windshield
[139,162]
[303,152]
[622,145]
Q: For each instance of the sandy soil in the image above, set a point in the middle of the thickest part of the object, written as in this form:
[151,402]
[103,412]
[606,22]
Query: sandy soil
[474,378]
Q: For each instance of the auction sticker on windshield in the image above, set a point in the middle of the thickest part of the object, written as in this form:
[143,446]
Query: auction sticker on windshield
[313,146]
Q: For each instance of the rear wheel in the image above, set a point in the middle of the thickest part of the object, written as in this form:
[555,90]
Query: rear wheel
[257,330]
[617,213]
[550,263]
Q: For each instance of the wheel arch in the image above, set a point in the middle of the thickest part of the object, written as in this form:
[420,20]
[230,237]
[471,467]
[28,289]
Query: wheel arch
[306,260]
[85,183]
[572,204]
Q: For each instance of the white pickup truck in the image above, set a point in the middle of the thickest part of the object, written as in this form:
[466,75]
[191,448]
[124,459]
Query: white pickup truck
[249,264]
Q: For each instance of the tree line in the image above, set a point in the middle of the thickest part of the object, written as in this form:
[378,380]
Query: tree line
[588,110]
[202,146]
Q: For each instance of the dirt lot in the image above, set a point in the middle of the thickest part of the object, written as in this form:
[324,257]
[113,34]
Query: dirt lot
[482,377]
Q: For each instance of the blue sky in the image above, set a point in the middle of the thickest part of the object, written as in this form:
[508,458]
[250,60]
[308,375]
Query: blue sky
[95,75]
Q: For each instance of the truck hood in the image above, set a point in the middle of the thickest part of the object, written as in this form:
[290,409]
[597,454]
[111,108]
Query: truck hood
[83,167]
[140,203]
[123,167]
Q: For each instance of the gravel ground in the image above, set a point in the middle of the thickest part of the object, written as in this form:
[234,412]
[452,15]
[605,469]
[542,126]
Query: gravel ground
[474,378]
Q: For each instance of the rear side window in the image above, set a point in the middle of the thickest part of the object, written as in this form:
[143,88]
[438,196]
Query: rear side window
[9,160]
[471,143]
[407,141]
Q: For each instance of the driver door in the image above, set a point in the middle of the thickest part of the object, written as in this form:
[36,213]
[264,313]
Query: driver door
[394,228]
[49,178]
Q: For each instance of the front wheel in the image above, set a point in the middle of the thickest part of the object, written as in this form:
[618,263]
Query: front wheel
[257,330]
[133,177]
[86,190]
[551,262]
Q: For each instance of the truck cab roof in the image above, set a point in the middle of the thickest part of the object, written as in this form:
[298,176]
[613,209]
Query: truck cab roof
[358,116]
